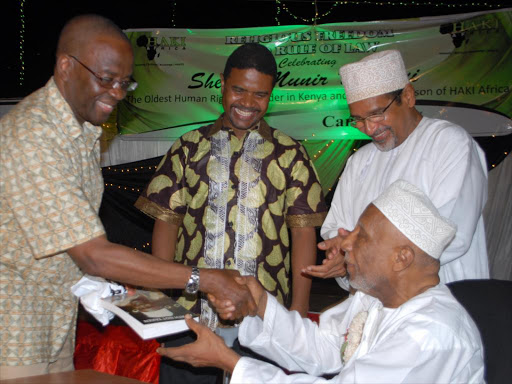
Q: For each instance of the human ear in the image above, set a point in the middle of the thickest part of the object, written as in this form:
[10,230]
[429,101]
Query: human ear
[403,258]
[63,67]
[408,96]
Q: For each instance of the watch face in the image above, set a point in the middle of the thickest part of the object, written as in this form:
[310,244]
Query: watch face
[193,283]
[192,288]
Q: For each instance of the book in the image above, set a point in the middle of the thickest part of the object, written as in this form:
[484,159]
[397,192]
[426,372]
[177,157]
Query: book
[150,313]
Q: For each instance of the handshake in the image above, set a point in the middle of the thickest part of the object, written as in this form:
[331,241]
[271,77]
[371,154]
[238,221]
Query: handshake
[233,296]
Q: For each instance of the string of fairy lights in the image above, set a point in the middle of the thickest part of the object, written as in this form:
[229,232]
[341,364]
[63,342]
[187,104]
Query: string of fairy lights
[22,43]
[281,6]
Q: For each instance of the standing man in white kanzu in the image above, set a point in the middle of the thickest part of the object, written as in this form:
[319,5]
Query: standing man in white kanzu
[401,326]
[439,157]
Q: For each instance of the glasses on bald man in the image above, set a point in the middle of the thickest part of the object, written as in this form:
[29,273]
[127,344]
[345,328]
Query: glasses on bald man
[376,118]
[108,82]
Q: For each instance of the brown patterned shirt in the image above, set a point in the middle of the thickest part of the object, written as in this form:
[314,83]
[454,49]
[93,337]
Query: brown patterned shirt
[234,200]
[50,192]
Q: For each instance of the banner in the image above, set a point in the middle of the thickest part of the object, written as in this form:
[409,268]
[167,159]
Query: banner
[456,63]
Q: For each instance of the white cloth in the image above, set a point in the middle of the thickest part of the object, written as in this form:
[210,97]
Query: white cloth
[428,339]
[442,160]
[90,289]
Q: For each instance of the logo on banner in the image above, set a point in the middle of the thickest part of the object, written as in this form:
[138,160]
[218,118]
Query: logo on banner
[155,45]
[461,31]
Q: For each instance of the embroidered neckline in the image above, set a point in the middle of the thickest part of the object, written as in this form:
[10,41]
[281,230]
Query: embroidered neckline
[352,338]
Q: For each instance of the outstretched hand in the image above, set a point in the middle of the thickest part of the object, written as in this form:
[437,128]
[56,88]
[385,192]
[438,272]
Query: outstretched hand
[334,263]
[222,284]
[209,350]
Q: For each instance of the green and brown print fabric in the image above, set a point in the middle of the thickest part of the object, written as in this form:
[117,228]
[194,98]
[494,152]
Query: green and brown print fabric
[234,200]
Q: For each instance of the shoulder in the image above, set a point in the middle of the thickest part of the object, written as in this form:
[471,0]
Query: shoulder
[29,120]
[443,130]
[281,139]
[436,317]
[292,149]
[196,135]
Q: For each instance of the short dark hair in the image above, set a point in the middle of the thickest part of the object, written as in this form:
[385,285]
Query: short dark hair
[252,55]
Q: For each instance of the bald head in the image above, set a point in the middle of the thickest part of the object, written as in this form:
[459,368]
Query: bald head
[93,69]
[80,31]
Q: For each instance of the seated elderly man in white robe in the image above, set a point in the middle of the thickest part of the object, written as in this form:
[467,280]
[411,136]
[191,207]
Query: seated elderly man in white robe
[402,325]
[437,156]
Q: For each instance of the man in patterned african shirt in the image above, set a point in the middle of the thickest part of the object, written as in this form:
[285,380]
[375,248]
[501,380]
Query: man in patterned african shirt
[225,195]
[50,194]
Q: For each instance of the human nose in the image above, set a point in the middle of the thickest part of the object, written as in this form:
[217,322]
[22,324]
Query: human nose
[369,127]
[247,100]
[347,242]
[117,91]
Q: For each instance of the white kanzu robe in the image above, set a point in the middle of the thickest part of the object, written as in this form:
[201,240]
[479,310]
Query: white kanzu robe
[442,160]
[428,339]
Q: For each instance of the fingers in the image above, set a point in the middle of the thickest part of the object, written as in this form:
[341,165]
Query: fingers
[331,267]
[343,232]
[175,353]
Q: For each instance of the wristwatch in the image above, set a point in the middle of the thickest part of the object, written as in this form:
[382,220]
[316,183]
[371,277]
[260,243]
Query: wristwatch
[193,283]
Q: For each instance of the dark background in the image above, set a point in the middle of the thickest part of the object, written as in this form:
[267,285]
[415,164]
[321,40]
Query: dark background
[34,25]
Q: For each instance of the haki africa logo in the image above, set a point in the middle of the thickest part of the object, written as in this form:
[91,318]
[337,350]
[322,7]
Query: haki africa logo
[156,44]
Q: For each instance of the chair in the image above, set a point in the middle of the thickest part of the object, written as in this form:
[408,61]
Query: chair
[489,302]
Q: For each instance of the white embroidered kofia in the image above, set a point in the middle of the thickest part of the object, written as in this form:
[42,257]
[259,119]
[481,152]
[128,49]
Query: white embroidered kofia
[353,336]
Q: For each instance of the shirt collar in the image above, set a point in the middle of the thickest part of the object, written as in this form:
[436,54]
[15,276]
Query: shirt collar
[65,115]
[263,128]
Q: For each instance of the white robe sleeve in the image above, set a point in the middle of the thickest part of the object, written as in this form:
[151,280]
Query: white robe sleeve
[337,217]
[294,343]
[459,187]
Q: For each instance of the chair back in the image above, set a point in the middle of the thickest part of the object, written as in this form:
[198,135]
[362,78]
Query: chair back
[489,303]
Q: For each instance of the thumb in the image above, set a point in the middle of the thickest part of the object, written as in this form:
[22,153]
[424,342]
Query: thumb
[322,245]
[192,324]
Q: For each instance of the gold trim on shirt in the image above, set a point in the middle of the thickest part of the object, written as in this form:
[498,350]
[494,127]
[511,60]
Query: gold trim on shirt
[301,221]
[157,212]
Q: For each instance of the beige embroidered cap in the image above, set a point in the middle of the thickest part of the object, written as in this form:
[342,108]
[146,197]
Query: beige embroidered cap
[412,212]
[374,75]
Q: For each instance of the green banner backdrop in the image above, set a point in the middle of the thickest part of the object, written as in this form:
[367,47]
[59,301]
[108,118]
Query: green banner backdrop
[462,60]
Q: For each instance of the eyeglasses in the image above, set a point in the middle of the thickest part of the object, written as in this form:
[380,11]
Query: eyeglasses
[376,118]
[108,82]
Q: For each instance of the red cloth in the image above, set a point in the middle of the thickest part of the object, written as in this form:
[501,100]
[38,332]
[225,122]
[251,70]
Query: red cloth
[314,316]
[116,350]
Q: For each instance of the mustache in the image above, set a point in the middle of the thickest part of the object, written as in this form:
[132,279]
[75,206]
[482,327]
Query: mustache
[377,133]
[245,109]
